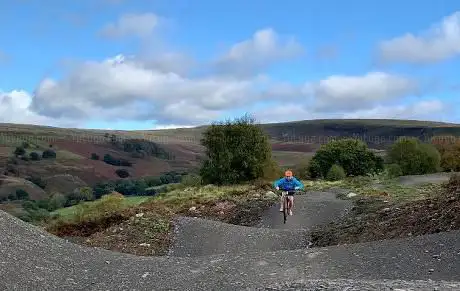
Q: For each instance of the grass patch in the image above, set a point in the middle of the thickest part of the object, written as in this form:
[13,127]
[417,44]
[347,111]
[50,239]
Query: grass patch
[142,225]
[377,186]
[69,213]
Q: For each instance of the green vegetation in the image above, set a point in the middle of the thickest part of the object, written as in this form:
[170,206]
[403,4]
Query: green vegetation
[122,173]
[336,173]
[352,155]
[236,152]
[80,211]
[108,159]
[394,170]
[414,157]
[449,149]
[49,154]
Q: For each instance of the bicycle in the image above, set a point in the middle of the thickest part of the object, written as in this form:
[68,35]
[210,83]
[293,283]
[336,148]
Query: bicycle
[286,203]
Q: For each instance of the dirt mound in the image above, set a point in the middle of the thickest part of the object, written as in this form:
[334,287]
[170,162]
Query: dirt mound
[9,185]
[375,219]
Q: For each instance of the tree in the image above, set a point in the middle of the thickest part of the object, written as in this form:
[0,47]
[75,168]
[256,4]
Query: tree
[414,157]
[236,151]
[352,155]
[34,156]
[49,154]
[122,173]
[19,151]
[22,194]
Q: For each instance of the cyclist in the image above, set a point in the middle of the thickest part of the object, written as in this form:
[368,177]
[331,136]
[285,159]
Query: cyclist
[288,183]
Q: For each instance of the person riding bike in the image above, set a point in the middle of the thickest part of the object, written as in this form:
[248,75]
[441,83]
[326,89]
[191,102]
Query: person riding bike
[288,183]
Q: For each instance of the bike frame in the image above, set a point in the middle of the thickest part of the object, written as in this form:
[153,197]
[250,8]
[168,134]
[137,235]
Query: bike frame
[286,204]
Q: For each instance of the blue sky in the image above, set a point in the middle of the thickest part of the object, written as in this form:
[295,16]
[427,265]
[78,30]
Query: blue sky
[311,59]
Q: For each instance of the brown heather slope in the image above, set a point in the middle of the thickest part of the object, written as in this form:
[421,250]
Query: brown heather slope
[289,141]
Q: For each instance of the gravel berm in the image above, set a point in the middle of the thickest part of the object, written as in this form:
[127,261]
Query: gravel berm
[31,259]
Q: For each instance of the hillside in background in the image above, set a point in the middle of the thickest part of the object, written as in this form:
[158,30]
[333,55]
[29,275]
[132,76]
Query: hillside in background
[152,152]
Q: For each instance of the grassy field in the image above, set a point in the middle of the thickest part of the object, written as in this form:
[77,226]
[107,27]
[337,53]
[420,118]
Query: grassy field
[68,213]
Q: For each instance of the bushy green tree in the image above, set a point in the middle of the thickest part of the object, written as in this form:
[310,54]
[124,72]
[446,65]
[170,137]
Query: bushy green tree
[19,151]
[351,154]
[414,157]
[22,194]
[236,151]
[34,156]
[49,154]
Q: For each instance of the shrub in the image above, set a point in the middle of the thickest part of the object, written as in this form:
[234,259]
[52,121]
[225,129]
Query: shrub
[19,151]
[25,158]
[94,156]
[56,201]
[34,156]
[336,173]
[108,159]
[394,170]
[122,173]
[81,194]
[102,188]
[236,152]
[153,181]
[191,181]
[30,205]
[22,194]
[48,154]
[108,204]
[414,157]
[37,181]
[25,145]
[351,154]
[130,187]
[450,154]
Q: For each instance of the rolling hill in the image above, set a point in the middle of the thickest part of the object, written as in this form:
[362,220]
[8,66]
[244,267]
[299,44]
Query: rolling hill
[180,149]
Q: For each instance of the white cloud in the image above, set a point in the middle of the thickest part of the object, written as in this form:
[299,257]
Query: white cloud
[423,109]
[121,87]
[440,42]
[258,53]
[340,92]
[140,25]
[14,108]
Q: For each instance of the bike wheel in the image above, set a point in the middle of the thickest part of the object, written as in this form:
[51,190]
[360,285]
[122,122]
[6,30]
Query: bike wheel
[285,210]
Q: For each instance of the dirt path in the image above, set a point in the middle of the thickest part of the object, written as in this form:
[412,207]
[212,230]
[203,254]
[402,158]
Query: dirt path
[198,237]
[31,259]
[310,209]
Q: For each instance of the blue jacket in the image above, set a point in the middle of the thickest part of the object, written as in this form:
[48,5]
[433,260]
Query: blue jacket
[287,185]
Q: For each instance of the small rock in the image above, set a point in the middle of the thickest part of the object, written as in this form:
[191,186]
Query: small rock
[351,194]
[140,214]
[144,245]
[145,274]
[431,270]
[386,209]
[193,208]
[107,262]
[221,212]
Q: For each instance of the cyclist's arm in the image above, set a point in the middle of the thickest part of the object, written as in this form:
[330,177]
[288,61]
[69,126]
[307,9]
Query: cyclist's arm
[298,184]
[278,183]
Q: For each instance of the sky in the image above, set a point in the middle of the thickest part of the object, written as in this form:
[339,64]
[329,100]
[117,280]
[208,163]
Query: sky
[152,64]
